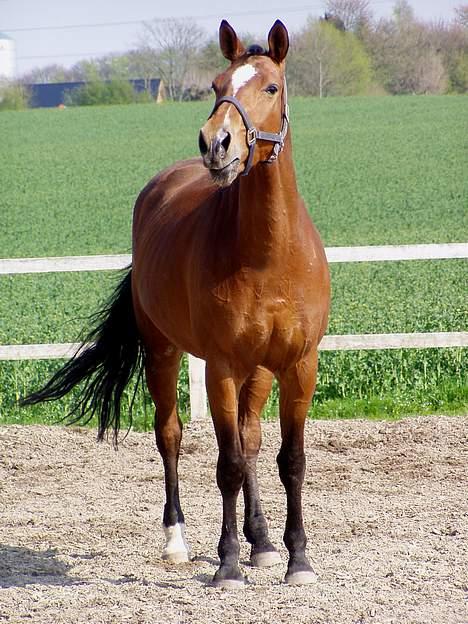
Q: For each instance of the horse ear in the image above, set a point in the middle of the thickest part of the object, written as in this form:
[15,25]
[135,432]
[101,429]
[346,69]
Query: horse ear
[278,42]
[230,45]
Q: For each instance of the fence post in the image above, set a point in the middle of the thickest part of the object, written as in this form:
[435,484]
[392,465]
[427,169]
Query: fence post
[198,405]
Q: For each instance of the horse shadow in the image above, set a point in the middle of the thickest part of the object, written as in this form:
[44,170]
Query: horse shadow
[21,566]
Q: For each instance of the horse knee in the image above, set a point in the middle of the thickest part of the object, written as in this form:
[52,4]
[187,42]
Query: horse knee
[291,465]
[230,472]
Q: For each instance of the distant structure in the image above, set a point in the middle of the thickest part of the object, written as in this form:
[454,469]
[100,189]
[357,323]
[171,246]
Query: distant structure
[53,94]
[7,57]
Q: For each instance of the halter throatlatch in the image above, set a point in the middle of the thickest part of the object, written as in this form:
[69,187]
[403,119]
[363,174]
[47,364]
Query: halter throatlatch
[253,135]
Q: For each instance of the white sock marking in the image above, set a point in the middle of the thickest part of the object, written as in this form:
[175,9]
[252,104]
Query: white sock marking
[175,540]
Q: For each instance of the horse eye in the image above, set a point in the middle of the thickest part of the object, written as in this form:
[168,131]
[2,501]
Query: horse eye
[272,89]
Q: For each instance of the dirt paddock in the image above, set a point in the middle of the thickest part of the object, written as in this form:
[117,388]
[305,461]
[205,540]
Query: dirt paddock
[385,508]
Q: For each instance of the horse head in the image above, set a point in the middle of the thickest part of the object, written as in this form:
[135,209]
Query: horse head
[250,118]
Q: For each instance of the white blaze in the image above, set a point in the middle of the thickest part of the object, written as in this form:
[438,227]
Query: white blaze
[241,76]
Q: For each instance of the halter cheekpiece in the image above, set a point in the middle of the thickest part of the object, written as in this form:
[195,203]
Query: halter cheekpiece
[253,135]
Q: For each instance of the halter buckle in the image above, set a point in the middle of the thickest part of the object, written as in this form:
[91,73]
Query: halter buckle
[251,136]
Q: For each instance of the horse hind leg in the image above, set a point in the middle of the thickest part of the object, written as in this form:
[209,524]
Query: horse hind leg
[252,398]
[161,375]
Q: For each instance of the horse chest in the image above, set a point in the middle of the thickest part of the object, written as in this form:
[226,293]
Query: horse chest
[266,320]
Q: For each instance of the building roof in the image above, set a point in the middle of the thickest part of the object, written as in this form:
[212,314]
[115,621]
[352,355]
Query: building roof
[5,36]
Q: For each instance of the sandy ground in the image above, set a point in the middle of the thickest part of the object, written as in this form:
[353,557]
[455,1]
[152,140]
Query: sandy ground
[386,512]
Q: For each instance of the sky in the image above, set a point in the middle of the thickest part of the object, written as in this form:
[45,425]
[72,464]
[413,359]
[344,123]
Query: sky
[98,26]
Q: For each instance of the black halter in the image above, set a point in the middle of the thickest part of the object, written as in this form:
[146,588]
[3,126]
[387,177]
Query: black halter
[253,135]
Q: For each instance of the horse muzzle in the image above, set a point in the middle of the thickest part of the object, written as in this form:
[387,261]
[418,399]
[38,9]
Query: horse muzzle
[219,157]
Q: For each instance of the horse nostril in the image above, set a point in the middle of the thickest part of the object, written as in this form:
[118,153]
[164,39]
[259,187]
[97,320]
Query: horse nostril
[202,143]
[226,142]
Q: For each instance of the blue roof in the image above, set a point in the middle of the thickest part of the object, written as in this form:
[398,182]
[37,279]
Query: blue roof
[4,36]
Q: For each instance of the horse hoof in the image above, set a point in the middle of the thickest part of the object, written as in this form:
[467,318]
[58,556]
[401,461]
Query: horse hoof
[304,577]
[176,557]
[265,559]
[229,577]
[228,583]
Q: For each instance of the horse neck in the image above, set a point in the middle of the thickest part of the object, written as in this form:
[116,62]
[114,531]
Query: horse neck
[267,211]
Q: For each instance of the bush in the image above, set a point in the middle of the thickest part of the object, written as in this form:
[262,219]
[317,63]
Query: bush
[13,96]
[99,92]
[458,73]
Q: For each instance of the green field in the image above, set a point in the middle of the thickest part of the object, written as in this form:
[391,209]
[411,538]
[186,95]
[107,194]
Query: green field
[372,170]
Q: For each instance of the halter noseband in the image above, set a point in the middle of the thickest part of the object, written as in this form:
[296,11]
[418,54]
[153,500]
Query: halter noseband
[253,135]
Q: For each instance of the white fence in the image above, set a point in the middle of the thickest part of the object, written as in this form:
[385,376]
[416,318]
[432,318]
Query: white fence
[196,366]
[375,253]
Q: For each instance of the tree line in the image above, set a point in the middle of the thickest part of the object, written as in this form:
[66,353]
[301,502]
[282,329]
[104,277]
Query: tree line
[345,52]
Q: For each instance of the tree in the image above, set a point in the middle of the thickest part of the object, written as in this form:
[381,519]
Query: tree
[450,40]
[173,46]
[86,70]
[325,61]
[404,55]
[141,64]
[113,67]
[462,15]
[49,73]
[403,12]
[354,14]
[333,20]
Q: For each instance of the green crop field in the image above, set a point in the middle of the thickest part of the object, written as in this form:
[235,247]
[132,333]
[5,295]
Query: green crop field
[372,170]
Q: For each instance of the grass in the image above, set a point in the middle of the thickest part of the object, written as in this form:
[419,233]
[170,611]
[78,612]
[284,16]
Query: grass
[372,171]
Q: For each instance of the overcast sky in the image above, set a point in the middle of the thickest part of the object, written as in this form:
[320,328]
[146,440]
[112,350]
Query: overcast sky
[25,22]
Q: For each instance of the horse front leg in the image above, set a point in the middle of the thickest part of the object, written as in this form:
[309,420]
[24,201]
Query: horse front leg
[297,386]
[161,375]
[223,389]
[252,398]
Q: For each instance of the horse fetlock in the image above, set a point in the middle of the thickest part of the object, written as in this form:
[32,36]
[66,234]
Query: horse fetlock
[176,549]
[255,530]
[295,541]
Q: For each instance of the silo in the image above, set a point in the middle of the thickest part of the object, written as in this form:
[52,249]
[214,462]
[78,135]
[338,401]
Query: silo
[7,57]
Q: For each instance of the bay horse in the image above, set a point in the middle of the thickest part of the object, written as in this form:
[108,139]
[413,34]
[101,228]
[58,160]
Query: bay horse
[228,266]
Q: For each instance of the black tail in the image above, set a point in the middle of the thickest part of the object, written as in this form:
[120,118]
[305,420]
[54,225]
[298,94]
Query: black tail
[105,366]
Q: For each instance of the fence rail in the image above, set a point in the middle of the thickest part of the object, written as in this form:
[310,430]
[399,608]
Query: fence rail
[11,266]
[345,342]
[374,253]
